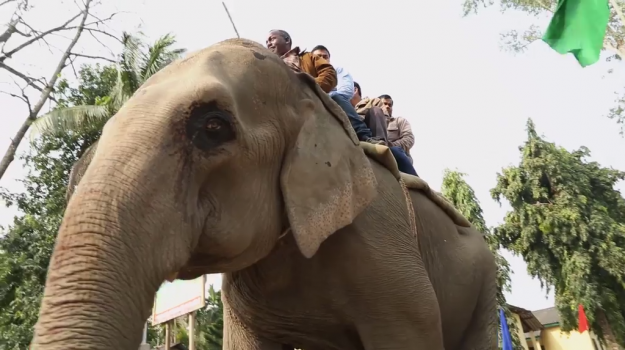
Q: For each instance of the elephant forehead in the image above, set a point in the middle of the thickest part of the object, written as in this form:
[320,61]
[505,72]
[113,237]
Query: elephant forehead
[241,61]
[248,71]
[240,76]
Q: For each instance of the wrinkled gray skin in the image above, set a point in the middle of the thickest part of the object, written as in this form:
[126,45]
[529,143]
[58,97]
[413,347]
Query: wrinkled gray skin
[204,169]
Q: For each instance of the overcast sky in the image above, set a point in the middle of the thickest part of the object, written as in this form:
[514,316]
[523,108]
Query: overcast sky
[467,100]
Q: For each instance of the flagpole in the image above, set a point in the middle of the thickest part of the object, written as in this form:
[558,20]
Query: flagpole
[231,21]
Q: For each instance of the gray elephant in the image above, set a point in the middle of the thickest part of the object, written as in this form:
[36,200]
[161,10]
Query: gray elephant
[226,161]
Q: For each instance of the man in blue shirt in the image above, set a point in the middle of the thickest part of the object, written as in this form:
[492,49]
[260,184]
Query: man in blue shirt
[343,94]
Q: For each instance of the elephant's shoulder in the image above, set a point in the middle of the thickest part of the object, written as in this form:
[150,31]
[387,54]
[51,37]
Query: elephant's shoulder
[418,184]
[383,155]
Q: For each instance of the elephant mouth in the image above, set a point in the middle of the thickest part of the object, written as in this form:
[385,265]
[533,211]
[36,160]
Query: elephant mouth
[189,273]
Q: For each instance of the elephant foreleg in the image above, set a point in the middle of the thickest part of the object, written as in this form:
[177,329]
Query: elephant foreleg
[398,336]
[482,332]
[237,337]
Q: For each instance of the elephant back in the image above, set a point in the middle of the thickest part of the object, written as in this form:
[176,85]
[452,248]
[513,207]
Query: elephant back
[383,155]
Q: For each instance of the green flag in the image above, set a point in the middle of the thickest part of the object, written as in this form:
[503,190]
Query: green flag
[578,27]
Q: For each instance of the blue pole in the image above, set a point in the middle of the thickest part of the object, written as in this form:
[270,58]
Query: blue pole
[506,340]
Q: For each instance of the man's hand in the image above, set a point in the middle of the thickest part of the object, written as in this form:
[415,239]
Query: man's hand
[386,110]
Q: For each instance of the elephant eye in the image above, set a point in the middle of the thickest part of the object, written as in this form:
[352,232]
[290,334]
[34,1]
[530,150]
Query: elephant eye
[209,126]
[214,124]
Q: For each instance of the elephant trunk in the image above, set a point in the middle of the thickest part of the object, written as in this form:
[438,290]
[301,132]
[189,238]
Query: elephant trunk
[116,245]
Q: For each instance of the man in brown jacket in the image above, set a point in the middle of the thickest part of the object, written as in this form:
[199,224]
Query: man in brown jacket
[399,129]
[373,111]
[280,43]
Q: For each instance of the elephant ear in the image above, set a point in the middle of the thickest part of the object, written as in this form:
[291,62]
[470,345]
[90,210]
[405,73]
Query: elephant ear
[326,178]
[79,169]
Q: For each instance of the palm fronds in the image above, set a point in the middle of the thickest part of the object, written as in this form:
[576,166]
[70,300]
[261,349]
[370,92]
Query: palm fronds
[63,120]
[136,64]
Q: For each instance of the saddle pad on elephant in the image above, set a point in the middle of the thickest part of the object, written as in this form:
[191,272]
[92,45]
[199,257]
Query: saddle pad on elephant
[383,155]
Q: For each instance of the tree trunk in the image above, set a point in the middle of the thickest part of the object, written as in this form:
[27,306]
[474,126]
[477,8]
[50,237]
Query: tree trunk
[9,156]
[608,334]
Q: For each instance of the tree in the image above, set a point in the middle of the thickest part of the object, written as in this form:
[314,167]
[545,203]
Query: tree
[137,63]
[210,322]
[45,87]
[26,245]
[461,195]
[519,42]
[568,224]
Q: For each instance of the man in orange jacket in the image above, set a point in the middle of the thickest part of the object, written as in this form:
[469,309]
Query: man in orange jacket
[280,43]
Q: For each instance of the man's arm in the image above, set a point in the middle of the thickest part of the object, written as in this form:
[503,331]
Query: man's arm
[326,75]
[344,85]
[406,137]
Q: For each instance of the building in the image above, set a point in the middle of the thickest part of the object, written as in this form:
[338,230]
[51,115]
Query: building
[540,330]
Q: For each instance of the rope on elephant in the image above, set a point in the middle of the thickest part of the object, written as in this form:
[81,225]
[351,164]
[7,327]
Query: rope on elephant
[411,213]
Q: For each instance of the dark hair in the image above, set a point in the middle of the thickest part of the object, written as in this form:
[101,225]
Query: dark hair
[386,97]
[283,33]
[321,47]
[357,86]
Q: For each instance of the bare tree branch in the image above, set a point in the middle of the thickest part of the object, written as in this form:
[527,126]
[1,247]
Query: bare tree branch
[101,32]
[9,156]
[71,63]
[18,96]
[9,31]
[23,76]
[38,37]
[27,35]
[24,97]
[101,20]
[101,43]
[6,2]
[91,31]
[34,31]
[93,57]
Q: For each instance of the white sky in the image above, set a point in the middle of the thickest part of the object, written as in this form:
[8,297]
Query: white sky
[467,101]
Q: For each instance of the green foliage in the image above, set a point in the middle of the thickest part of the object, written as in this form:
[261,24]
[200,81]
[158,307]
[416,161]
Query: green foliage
[138,62]
[88,108]
[96,82]
[618,113]
[461,195]
[26,245]
[568,223]
[210,322]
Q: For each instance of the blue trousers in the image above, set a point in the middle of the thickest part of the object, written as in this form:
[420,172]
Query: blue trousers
[403,162]
[362,130]
[364,133]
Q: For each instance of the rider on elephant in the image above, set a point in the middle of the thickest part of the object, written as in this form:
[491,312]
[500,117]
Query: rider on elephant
[342,95]
[375,115]
[280,42]
[399,129]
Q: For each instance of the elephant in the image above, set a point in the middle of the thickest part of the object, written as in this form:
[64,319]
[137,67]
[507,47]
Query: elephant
[226,161]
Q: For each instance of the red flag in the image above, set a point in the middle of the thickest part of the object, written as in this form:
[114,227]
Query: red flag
[583,321]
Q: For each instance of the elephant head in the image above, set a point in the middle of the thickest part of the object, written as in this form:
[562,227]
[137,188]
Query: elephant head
[201,171]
